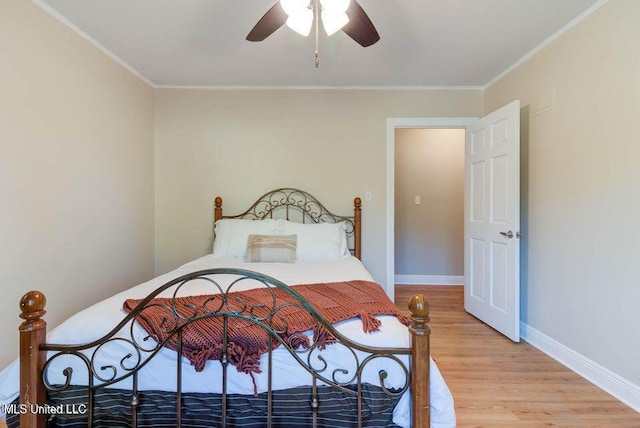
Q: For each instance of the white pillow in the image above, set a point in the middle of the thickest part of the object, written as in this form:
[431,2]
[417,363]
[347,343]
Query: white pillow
[232,235]
[322,241]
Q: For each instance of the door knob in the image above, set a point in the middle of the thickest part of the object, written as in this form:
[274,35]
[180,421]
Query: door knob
[508,234]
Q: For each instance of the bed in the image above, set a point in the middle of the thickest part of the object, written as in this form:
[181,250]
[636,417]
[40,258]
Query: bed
[145,357]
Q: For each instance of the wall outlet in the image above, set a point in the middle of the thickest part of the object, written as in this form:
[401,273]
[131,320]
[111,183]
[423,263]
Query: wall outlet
[417,200]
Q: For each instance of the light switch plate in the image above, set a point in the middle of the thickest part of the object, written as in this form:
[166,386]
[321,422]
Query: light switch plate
[368,196]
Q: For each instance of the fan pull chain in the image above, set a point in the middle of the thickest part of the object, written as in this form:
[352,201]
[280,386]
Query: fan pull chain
[317,19]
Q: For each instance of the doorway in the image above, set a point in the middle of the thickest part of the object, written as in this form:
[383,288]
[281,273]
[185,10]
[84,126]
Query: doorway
[429,206]
[394,124]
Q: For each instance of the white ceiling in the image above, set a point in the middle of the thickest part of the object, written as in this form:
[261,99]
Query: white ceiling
[424,43]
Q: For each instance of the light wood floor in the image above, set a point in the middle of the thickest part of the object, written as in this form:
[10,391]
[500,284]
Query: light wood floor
[497,383]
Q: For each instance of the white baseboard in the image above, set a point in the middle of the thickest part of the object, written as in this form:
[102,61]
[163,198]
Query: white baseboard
[603,378]
[429,279]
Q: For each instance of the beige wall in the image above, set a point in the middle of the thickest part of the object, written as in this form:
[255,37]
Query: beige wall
[239,144]
[76,170]
[429,238]
[581,186]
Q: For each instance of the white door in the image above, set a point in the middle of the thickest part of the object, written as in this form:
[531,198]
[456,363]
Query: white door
[492,220]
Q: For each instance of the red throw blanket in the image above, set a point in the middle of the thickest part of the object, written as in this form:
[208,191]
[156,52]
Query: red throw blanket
[247,341]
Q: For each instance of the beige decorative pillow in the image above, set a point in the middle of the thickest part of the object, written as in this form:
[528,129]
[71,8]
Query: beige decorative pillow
[271,248]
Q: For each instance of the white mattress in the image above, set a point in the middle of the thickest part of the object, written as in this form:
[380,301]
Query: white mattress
[94,322]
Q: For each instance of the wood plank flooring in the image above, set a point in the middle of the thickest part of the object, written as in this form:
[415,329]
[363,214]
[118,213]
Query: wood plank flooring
[497,383]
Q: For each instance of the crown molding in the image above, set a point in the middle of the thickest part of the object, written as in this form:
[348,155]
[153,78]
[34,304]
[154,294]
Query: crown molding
[312,88]
[57,15]
[594,7]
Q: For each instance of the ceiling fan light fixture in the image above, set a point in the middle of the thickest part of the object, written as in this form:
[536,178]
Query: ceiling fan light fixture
[301,23]
[333,22]
[301,15]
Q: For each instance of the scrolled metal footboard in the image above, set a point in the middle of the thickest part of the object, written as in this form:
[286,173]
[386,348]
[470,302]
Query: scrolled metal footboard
[136,351]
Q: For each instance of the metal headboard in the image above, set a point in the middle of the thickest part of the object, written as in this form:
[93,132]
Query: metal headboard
[302,207]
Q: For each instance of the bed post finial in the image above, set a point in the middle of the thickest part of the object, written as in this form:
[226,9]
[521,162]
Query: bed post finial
[33,332]
[32,309]
[357,216]
[419,307]
[217,212]
[420,353]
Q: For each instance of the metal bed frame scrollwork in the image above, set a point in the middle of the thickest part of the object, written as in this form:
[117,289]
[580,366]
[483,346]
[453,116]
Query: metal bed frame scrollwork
[34,363]
[285,202]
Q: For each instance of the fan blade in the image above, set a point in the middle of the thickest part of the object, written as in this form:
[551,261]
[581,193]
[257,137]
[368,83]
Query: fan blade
[360,28]
[270,22]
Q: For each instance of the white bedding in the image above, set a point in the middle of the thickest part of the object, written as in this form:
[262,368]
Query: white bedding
[97,320]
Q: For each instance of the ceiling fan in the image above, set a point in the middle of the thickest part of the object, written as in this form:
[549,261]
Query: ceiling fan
[300,15]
